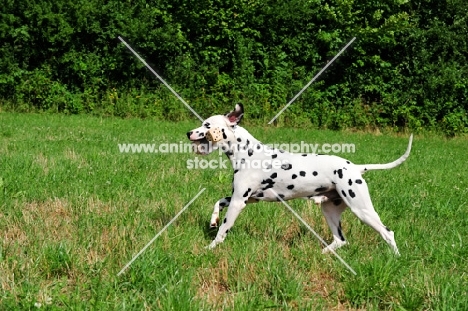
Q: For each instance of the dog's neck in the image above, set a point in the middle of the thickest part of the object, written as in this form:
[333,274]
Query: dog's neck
[242,134]
[240,144]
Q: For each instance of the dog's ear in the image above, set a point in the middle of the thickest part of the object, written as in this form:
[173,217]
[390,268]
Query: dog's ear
[236,115]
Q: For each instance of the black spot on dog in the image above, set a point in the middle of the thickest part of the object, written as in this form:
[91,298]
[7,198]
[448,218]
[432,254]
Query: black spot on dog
[242,161]
[269,183]
[337,202]
[290,187]
[259,147]
[294,176]
[274,175]
[348,162]
[388,229]
[239,139]
[201,134]
[321,189]
[235,171]
[350,182]
[333,182]
[250,152]
[259,195]
[351,193]
[280,196]
[302,173]
[227,231]
[225,220]
[247,143]
[224,134]
[222,204]
[314,173]
[365,169]
[340,173]
[274,156]
[304,154]
[343,193]
[286,167]
[340,233]
[207,125]
[358,181]
[229,153]
[247,192]
[228,199]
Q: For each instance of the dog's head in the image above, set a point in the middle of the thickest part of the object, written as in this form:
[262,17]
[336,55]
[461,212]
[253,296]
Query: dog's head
[216,131]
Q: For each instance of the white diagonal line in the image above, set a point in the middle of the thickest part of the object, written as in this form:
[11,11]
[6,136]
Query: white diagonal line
[313,79]
[313,231]
[159,233]
[160,78]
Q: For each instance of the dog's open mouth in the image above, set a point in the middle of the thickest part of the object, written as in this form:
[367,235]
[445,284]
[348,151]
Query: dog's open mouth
[201,146]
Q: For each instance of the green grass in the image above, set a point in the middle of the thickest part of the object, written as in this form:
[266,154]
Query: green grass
[74,211]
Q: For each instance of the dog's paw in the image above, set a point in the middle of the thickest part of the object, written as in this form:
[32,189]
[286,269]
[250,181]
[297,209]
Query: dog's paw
[326,250]
[211,246]
[333,247]
[214,223]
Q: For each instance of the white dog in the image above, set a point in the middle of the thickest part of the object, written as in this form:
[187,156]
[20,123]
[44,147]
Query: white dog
[329,180]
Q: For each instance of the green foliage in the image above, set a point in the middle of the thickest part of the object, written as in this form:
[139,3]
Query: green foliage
[407,68]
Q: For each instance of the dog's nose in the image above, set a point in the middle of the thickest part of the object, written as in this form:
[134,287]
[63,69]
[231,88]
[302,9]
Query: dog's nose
[189,134]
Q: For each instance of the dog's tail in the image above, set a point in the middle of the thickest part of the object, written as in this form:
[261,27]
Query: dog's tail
[369,167]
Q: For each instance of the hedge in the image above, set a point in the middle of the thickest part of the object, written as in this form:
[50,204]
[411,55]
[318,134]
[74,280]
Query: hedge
[407,69]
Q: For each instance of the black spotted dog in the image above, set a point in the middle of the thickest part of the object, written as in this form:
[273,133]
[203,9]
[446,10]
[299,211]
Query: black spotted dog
[268,174]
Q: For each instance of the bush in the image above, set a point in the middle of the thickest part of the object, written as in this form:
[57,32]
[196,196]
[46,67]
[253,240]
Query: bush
[407,68]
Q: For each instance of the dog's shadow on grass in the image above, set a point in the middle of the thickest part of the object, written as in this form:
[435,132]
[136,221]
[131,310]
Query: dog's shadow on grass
[288,239]
[208,233]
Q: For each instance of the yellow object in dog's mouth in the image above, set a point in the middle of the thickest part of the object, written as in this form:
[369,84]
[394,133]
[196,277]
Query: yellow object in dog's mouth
[214,135]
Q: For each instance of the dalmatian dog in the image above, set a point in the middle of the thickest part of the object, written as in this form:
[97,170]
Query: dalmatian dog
[263,173]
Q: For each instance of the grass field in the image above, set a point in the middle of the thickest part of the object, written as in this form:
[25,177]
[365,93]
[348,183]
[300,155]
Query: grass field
[74,211]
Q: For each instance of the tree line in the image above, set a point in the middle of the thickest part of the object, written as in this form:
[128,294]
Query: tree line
[407,68]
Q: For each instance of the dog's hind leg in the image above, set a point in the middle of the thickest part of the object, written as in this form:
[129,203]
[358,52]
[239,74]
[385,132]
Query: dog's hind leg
[332,211]
[359,201]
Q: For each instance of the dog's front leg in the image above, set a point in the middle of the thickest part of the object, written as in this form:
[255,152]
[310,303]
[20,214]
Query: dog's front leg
[218,207]
[234,209]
